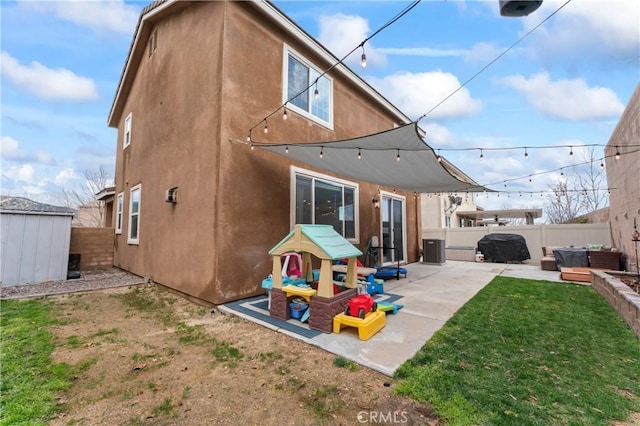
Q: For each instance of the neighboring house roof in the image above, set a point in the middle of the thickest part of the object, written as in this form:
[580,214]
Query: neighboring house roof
[25,205]
[106,193]
[160,7]
[324,237]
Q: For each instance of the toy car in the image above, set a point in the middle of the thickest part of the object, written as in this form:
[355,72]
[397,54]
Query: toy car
[360,305]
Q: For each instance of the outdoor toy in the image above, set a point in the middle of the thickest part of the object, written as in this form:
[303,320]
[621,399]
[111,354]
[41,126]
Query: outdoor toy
[389,307]
[367,327]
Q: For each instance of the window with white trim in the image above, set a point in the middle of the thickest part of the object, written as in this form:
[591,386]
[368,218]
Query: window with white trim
[127,132]
[119,212]
[134,214]
[299,74]
[324,200]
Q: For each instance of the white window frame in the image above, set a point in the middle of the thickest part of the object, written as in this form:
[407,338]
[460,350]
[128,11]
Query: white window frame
[296,171]
[285,88]
[394,196]
[119,212]
[126,134]
[138,188]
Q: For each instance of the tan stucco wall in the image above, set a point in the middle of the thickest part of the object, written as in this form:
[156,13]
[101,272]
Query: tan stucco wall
[216,71]
[623,176]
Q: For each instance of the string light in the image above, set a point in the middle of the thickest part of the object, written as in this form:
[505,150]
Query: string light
[359,154]
[316,94]
[526,154]
[439,157]
[601,165]
[285,116]
[321,153]
[481,155]
[561,172]
[252,147]
[249,136]
[571,152]
[398,156]
[363,59]
[286,149]
[266,128]
[617,153]
[529,178]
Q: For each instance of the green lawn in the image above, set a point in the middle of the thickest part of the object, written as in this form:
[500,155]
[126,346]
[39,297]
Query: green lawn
[525,352]
[29,380]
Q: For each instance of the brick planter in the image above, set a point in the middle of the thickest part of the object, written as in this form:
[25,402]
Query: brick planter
[623,299]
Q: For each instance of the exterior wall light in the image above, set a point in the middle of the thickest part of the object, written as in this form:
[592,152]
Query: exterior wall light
[375,202]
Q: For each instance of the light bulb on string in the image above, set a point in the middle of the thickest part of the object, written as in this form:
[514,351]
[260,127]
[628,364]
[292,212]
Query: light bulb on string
[617,153]
[321,151]
[570,152]
[439,157]
[266,128]
[359,154]
[363,59]
[561,172]
[252,147]
[529,178]
[286,149]
[249,136]
[398,156]
[526,154]
[285,116]
[601,165]
[316,94]
[481,155]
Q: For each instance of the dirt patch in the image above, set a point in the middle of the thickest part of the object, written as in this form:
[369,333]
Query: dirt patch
[148,356]
[632,282]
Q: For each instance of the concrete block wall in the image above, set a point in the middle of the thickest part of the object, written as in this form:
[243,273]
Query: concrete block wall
[95,246]
[623,299]
[623,176]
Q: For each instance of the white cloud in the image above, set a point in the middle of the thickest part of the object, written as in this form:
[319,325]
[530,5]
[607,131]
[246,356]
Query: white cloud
[341,33]
[417,93]
[24,173]
[10,150]
[64,176]
[100,16]
[437,135]
[586,28]
[48,83]
[422,51]
[566,99]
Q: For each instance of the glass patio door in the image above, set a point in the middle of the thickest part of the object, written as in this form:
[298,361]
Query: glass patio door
[392,214]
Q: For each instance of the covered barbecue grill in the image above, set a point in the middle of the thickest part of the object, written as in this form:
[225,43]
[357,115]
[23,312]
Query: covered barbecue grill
[504,248]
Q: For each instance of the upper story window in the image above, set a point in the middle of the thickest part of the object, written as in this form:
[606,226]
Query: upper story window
[127,131]
[134,214]
[325,200]
[310,94]
[119,211]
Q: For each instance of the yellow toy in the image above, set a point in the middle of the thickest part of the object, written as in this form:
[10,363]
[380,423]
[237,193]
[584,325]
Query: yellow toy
[367,327]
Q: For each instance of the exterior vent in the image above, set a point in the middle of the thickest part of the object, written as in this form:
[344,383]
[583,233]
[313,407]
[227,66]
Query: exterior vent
[172,195]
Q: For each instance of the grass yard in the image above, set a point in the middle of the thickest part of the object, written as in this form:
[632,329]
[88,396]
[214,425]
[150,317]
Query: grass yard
[30,381]
[529,353]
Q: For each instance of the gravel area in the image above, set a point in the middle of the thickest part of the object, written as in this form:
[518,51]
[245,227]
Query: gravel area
[90,280]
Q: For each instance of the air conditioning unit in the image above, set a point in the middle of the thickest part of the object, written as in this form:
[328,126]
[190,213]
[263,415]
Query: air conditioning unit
[433,251]
[171,195]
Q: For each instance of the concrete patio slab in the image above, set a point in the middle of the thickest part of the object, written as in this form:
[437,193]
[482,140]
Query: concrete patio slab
[431,295]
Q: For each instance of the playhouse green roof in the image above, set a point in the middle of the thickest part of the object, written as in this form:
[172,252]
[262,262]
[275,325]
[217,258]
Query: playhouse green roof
[326,238]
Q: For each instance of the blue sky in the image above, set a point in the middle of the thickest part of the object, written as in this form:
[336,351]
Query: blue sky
[566,84]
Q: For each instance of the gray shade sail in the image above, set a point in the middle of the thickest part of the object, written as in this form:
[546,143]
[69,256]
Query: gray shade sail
[417,170]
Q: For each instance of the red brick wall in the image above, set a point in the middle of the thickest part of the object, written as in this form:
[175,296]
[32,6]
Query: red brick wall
[95,245]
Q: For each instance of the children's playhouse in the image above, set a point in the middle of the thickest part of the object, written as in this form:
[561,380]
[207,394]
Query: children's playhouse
[326,245]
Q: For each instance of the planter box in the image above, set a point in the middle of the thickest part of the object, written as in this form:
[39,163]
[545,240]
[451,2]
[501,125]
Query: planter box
[623,299]
[605,260]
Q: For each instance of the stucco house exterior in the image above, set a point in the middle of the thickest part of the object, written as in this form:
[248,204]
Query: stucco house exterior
[197,212]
